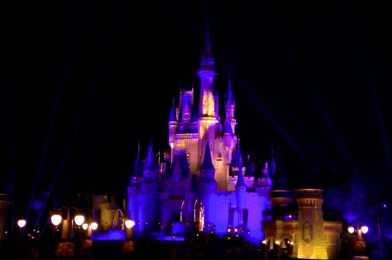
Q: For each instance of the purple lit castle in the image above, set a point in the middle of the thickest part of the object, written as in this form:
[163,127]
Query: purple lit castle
[207,186]
[203,185]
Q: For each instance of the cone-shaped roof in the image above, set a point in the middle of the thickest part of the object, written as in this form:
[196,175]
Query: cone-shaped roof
[180,164]
[207,162]
[207,60]
[138,166]
[229,92]
[272,164]
[250,169]
[150,164]
[237,161]
[240,180]
[172,115]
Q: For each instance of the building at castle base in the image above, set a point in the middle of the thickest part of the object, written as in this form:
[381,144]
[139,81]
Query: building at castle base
[203,184]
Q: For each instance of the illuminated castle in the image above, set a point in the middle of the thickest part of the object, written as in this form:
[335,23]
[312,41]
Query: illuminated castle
[203,184]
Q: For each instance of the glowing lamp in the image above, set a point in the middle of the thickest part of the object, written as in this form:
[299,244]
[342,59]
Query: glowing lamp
[32,237]
[277,242]
[364,229]
[94,225]
[197,235]
[264,242]
[79,219]
[129,223]
[351,229]
[235,229]
[291,243]
[228,238]
[384,205]
[21,223]
[56,219]
[38,231]
[85,226]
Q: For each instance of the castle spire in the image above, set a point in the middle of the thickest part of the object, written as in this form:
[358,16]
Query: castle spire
[271,163]
[207,60]
[137,167]
[229,92]
[150,164]
[240,180]
[206,75]
[172,116]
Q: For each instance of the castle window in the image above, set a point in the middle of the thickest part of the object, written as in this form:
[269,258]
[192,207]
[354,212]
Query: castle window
[219,158]
[188,157]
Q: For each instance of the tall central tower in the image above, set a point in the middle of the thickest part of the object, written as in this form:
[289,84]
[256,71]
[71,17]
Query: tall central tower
[206,75]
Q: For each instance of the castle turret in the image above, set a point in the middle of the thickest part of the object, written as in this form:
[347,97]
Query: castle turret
[230,106]
[271,163]
[263,184]
[240,193]
[137,173]
[133,190]
[310,238]
[150,168]
[147,193]
[206,75]
[173,125]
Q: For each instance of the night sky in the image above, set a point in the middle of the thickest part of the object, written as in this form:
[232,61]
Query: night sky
[313,79]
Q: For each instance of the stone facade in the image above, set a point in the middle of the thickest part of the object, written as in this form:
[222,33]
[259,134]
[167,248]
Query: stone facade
[300,232]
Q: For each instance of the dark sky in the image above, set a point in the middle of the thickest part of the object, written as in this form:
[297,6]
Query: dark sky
[308,77]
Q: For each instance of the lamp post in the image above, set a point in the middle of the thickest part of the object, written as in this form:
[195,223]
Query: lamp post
[128,227]
[21,223]
[359,244]
[56,219]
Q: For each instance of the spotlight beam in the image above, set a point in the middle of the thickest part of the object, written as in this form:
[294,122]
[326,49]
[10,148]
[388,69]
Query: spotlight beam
[381,125]
[81,159]
[76,129]
[12,161]
[275,123]
[303,128]
[77,166]
[51,123]
[336,135]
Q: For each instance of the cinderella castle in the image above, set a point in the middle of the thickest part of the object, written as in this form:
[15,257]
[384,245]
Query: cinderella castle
[203,184]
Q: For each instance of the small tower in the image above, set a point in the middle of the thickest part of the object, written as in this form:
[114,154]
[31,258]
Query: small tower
[148,212]
[263,184]
[207,183]
[230,106]
[173,125]
[132,189]
[271,163]
[240,193]
[150,168]
[236,166]
[206,75]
